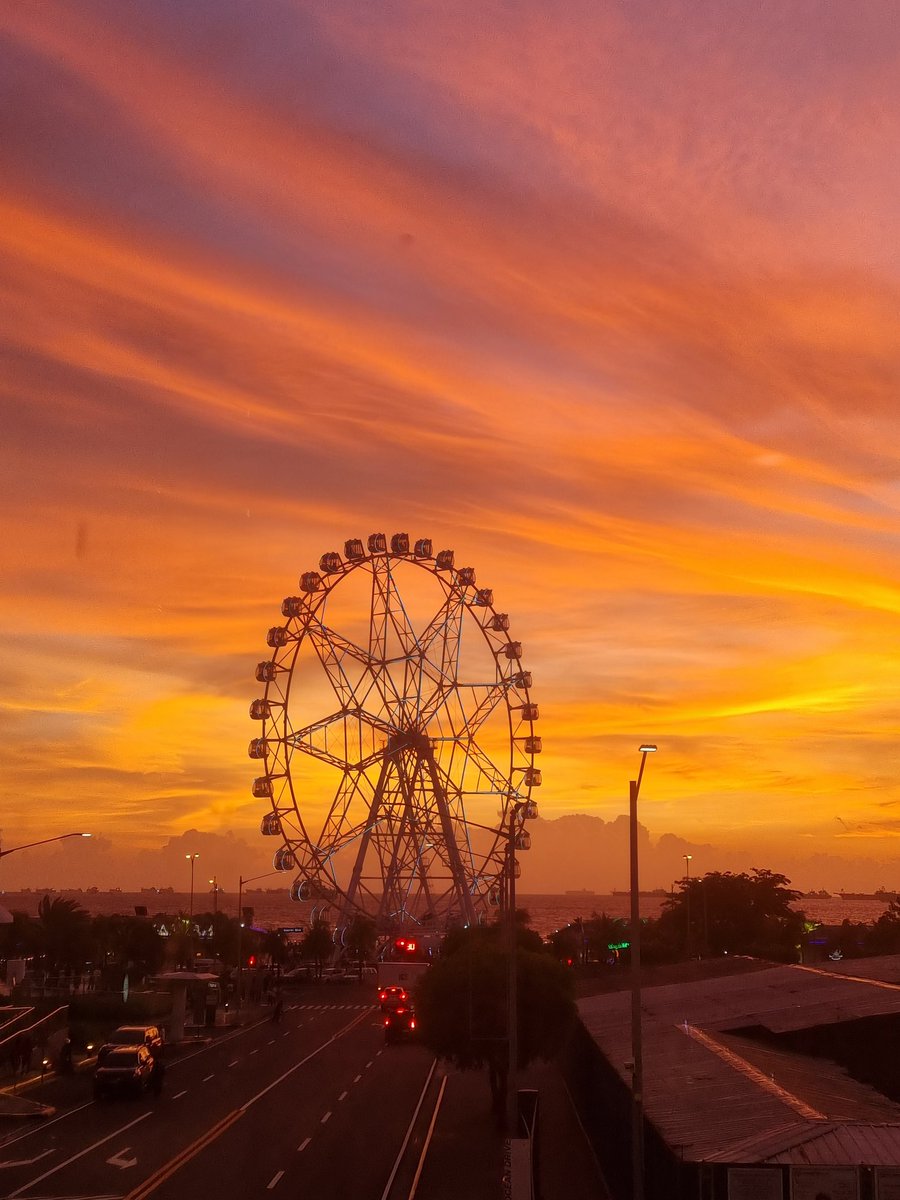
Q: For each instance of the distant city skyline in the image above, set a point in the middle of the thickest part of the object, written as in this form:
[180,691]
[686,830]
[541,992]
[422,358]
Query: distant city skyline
[570,852]
[605,298]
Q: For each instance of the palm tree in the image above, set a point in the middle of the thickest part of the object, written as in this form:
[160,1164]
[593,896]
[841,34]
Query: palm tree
[65,932]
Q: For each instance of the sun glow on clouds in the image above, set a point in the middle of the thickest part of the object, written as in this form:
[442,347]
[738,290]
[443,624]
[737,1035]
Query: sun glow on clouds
[589,300]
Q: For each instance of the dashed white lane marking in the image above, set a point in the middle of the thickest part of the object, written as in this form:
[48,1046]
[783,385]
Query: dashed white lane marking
[287,1033]
[342,1096]
[234,1062]
[209,1077]
[369,1063]
[274,1180]
[256,1051]
[357,1079]
[303,1145]
[272,1043]
[325,1118]
[380,1052]
[178,1095]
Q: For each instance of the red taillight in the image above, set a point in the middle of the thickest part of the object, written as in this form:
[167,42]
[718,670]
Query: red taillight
[387,1021]
[412,1024]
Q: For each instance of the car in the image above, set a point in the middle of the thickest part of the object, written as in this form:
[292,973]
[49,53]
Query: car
[124,1070]
[392,996]
[150,1036]
[298,974]
[336,975]
[399,1024]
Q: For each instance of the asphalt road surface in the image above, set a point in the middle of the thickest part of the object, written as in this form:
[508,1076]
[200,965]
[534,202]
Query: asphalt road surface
[313,1106]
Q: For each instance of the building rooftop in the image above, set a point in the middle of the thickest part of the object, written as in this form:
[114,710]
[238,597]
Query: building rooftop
[716,1094]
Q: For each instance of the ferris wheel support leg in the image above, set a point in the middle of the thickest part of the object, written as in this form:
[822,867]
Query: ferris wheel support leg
[366,838]
[467,908]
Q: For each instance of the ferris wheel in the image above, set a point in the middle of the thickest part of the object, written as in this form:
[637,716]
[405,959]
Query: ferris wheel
[397,738]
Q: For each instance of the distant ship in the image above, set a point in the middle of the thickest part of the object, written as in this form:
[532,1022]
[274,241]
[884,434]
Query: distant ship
[580,892]
[652,892]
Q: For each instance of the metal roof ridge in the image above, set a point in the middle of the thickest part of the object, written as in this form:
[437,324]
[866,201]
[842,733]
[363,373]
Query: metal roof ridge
[795,1129]
[749,1071]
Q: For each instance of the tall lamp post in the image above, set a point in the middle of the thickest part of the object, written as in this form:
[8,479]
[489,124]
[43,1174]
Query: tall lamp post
[637,1044]
[193,858]
[522,810]
[687,903]
[240,953]
[43,842]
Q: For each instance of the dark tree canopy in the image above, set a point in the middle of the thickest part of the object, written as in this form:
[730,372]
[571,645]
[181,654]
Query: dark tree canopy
[65,931]
[462,1002]
[724,912]
[318,943]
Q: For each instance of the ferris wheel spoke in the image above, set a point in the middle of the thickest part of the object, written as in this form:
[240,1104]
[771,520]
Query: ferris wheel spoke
[468,724]
[497,783]
[333,651]
[439,647]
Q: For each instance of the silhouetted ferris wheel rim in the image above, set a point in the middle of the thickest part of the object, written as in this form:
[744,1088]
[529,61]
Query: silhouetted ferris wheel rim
[415,834]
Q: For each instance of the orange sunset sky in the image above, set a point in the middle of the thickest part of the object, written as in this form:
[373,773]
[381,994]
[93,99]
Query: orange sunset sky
[603,295]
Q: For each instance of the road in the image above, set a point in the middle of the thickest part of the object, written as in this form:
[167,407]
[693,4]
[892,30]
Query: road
[314,1106]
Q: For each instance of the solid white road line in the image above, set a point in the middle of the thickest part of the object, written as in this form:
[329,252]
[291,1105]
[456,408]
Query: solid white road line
[428,1136]
[81,1153]
[390,1182]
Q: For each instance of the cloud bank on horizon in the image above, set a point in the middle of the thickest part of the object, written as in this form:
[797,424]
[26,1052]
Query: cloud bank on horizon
[608,302]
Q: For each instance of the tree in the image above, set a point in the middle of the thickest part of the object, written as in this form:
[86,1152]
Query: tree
[602,931]
[318,944]
[462,1004]
[129,943]
[20,938]
[65,932]
[725,912]
[883,937]
[361,939]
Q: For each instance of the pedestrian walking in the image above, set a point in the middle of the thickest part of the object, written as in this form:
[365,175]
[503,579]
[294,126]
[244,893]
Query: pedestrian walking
[26,1048]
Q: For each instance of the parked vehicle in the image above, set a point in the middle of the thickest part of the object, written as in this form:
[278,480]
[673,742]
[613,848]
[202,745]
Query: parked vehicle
[336,975]
[124,1070]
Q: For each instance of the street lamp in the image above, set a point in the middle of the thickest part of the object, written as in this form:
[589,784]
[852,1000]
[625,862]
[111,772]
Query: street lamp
[637,1048]
[193,858]
[687,902]
[521,810]
[240,955]
[43,842]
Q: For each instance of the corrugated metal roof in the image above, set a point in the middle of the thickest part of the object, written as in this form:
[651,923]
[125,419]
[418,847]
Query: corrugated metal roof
[720,1097]
[835,1144]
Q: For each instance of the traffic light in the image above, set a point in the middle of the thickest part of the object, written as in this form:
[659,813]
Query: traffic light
[251,960]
